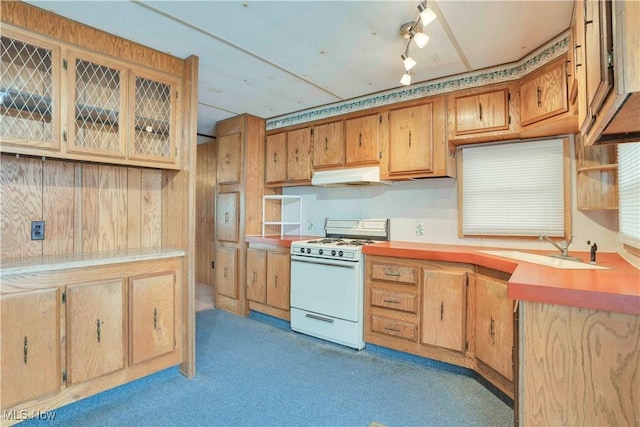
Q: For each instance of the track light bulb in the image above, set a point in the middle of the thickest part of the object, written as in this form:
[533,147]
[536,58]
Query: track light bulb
[426,14]
[406,79]
[408,62]
[421,39]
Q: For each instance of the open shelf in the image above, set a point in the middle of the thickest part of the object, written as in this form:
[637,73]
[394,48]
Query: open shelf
[283,222]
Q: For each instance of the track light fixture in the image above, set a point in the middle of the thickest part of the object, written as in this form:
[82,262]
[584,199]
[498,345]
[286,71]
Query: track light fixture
[414,30]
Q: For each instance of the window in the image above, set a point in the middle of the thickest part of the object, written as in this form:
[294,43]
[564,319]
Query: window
[629,192]
[515,189]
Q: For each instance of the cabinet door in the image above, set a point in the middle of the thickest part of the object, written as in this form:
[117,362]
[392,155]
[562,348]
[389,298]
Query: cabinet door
[580,63]
[444,308]
[154,123]
[411,139]
[494,325]
[276,158]
[226,271]
[278,280]
[227,216]
[257,275]
[95,329]
[543,94]
[97,106]
[229,158]
[328,145]
[598,60]
[29,91]
[362,140]
[151,316]
[480,111]
[298,161]
[30,346]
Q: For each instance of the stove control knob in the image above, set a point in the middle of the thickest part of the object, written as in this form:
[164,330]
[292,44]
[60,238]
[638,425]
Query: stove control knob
[320,251]
[333,253]
[340,253]
[301,250]
[308,250]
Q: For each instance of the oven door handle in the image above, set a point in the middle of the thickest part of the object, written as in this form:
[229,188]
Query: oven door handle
[333,263]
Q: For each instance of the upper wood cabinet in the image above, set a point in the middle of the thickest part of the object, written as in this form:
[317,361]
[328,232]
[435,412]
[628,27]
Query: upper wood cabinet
[543,93]
[287,157]
[362,140]
[115,111]
[298,160]
[328,145]
[417,141]
[275,168]
[229,158]
[30,336]
[30,91]
[228,217]
[480,112]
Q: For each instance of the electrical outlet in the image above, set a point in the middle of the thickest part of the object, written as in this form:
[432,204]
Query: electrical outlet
[37,230]
[419,229]
[309,224]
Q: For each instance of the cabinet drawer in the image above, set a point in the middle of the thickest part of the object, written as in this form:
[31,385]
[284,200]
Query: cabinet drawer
[394,273]
[394,327]
[396,300]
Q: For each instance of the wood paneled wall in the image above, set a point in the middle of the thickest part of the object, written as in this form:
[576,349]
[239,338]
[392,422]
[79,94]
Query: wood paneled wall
[205,211]
[86,207]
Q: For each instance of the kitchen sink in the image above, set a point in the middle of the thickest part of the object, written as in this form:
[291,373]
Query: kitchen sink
[546,260]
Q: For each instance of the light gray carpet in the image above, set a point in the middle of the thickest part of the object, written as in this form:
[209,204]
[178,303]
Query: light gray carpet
[253,374]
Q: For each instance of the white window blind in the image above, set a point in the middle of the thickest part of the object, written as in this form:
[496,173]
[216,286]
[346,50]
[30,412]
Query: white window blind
[514,189]
[629,192]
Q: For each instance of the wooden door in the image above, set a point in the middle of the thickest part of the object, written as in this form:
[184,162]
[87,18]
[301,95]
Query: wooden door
[479,111]
[276,158]
[278,280]
[95,329]
[30,346]
[30,114]
[154,126]
[362,140]
[257,275]
[97,107]
[227,217]
[229,158]
[444,309]
[226,271]
[494,325]
[580,61]
[298,160]
[151,316]
[544,94]
[411,139]
[328,145]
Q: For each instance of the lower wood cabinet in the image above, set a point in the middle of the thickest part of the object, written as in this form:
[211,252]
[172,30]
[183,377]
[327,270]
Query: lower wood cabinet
[268,281]
[30,335]
[95,329]
[66,336]
[444,311]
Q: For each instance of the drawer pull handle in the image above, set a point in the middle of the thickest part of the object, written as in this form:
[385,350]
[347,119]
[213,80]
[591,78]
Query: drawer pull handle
[155,318]
[409,139]
[360,139]
[226,217]
[326,145]
[26,350]
[441,310]
[255,277]
[275,157]
[225,273]
[392,273]
[98,329]
[480,108]
[227,160]
[323,319]
[539,96]
[392,301]
[392,329]
[491,328]
[276,281]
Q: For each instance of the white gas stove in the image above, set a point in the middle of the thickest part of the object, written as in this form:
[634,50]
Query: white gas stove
[327,280]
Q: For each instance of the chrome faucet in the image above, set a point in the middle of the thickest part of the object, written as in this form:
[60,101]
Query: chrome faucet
[563,247]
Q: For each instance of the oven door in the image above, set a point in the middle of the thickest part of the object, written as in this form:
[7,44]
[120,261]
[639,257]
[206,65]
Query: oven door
[329,287]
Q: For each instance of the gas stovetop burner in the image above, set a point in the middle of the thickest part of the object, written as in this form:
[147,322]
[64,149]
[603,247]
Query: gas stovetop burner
[355,242]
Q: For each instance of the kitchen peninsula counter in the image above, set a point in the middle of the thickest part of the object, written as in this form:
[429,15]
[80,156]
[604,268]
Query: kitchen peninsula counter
[616,289]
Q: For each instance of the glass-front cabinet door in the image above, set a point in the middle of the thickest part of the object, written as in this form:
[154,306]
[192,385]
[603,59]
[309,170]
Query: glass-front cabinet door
[29,91]
[153,125]
[97,106]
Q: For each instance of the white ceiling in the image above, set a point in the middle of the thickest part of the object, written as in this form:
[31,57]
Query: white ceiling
[270,58]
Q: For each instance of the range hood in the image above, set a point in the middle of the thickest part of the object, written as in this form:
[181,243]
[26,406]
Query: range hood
[369,175]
